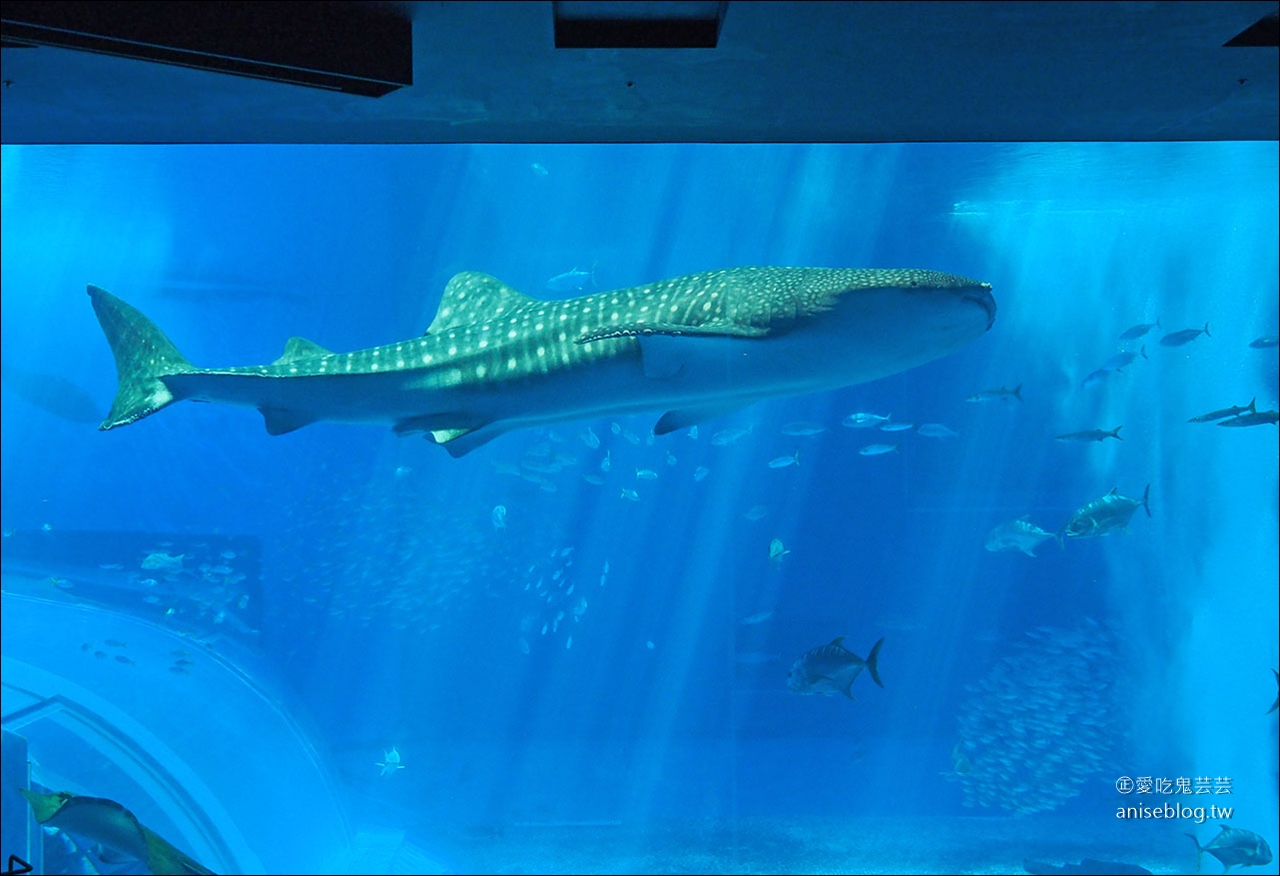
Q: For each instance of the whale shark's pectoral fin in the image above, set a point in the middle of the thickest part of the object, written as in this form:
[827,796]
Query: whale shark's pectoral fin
[673,421]
[280,422]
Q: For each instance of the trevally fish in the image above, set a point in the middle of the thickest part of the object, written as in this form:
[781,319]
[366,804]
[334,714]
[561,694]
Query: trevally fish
[1017,535]
[1092,435]
[803,428]
[1234,847]
[1265,343]
[862,420]
[494,359]
[1186,336]
[785,461]
[1137,331]
[877,449]
[831,669]
[758,618]
[1233,411]
[1123,360]
[1104,516]
[897,427]
[1000,394]
[1260,418]
[936,430]
[777,551]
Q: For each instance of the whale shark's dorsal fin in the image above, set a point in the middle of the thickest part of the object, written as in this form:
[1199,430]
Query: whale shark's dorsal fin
[473,297]
[297,349]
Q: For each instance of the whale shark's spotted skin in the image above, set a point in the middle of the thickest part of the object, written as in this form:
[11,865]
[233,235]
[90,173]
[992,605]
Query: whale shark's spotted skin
[494,359]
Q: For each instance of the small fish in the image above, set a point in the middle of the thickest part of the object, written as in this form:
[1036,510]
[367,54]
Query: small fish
[403,471]
[606,463]
[693,432]
[86,647]
[120,658]
[1186,336]
[756,512]
[631,437]
[101,655]
[591,439]
[758,618]
[935,430]
[60,583]
[499,516]
[861,420]
[777,551]
[110,567]
[390,762]
[179,653]
[1000,394]
[573,281]
[179,670]
[1017,535]
[593,479]
[116,643]
[649,644]
[1261,418]
[183,662]
[630,495]
[1095,377]
[831,669]
[785,461]
[160,561]
[729,436]
[538,169]
[1234,847]
[568,643]
[1233,411]
[646,474]
[1265,343]
[877,449]
[803,428]
[896,427]
[1092,435]
[228,555]
[1123,360]
[671,458]
[701,472]
[1139,330]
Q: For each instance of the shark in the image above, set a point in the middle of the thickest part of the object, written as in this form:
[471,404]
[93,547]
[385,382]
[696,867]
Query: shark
[494,360]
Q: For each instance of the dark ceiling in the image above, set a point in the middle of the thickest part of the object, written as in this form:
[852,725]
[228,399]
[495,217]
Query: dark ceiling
[779,71]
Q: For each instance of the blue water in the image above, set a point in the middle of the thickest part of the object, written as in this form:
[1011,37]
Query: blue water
[386,607]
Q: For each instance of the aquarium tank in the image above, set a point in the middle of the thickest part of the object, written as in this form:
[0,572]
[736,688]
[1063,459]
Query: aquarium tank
[640,508]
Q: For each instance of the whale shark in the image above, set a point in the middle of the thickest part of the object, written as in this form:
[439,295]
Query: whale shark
[494,359]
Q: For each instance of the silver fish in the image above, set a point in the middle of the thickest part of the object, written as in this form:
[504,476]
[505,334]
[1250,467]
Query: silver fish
[803,428]
[862,420]
[785,461]
[831,669]
[1139,330]
[1000,394]
[1017,535]
[1186,336]
[1092,435]
[935,430]
[1265,343]
[1233,411]
[1105,515]
[1261,418]
[877,449]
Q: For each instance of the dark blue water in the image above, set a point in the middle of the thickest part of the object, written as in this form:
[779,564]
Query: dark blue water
[388,609]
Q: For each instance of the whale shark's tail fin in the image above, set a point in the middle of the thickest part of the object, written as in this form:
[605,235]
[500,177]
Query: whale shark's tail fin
[143,356]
